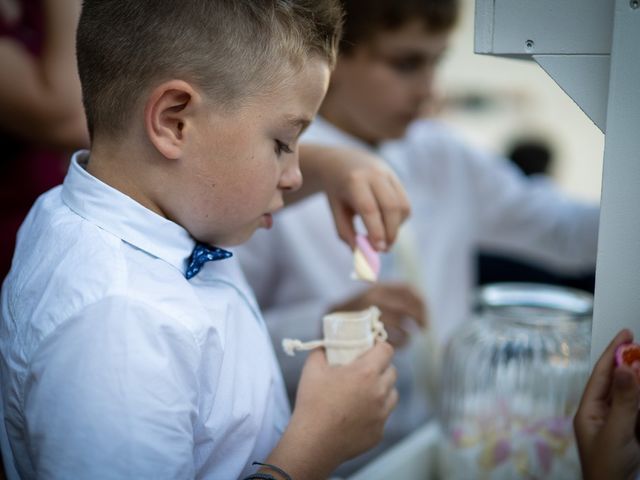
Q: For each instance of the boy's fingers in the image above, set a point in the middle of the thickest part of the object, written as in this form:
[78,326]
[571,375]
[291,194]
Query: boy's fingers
[366,205]
[392,401]
[343,219]
[625,395]
[403,199]
[416,304]
[600,380]
[401,311]
[403,300]
[317,357]
[397,336]
[394,303]
[422,320]
[389,377]
[389,205]
[379,356]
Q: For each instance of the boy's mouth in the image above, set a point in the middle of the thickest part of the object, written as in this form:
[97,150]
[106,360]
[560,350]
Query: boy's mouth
[267,221]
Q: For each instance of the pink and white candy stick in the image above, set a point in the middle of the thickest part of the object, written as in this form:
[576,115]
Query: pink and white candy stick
[366,261]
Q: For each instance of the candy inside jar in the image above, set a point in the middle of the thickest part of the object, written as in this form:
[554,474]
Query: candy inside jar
[512,381]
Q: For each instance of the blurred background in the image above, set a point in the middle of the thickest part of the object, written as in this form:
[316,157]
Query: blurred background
[513,108]
[498,103]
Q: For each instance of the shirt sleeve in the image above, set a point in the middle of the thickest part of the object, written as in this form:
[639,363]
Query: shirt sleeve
[111,394]
[530,217]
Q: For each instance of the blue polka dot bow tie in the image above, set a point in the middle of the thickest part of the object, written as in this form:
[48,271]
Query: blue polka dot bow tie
[203,253]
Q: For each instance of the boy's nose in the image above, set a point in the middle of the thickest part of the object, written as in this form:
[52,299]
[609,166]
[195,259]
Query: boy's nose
[291,178]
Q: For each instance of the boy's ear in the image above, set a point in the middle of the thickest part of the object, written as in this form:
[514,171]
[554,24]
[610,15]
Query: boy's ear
[169,116]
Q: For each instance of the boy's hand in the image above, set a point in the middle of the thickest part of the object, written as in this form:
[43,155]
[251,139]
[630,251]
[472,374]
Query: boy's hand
[347,405]
[367,187]
[356,183]
[340,412]
[398,302]
[606,424]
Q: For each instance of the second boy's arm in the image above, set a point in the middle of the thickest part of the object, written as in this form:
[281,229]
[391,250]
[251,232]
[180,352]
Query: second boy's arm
[356,183]
[532,219]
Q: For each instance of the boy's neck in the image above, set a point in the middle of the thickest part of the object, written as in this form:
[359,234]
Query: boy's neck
[125,168]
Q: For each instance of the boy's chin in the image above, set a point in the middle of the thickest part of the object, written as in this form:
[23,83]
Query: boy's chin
[393,132]
[244,236]
[239,237]
[398,131]
[229,241]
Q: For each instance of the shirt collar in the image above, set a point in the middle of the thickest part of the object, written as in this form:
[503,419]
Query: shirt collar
[120,215]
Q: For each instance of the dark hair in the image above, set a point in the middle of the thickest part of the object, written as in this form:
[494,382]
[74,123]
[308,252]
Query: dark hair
[230,48]
[532,155]
[365,18]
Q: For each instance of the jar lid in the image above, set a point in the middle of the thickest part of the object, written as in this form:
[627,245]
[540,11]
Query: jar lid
[544,299]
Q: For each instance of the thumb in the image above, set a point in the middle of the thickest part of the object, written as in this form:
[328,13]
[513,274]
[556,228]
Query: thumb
[625,398]
[317,356]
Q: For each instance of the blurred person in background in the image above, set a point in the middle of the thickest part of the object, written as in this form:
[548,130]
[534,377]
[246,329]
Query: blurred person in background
[535,157]
[532,156]
[41,116]
[461,197]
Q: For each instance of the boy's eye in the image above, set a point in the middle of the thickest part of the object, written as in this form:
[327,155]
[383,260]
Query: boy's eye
[409,65]
[282,147]
[413,64]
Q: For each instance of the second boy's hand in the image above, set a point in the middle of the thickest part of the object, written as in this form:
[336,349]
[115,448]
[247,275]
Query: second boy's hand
[356,183]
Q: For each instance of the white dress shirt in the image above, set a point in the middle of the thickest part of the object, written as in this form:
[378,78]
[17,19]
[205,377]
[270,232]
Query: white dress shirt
[113,365]
[460,197]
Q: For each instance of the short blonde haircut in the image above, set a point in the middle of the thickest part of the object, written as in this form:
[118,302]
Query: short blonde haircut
[232,49]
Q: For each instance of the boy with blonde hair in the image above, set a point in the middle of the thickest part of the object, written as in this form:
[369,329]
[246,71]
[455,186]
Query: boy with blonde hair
[131,346]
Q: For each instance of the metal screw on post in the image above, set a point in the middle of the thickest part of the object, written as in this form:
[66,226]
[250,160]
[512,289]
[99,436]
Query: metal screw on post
[635,4]
[528,45]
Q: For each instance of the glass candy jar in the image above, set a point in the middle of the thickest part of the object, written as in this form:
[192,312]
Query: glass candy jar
[512,381]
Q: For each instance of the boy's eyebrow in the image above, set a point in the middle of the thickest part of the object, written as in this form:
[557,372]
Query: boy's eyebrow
[417,53]
[412,51]
[298,122]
